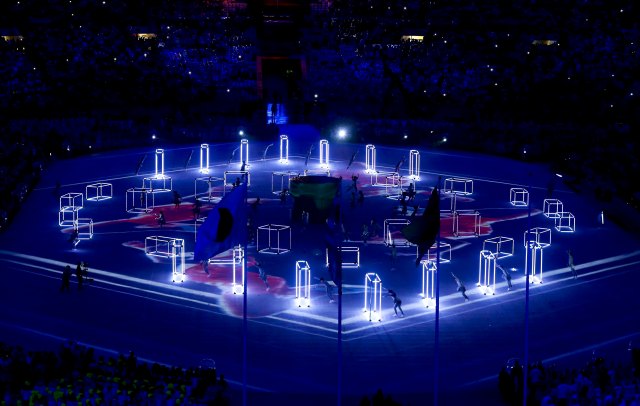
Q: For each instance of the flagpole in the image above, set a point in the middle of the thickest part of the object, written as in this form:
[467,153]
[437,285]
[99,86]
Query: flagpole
[436,355]
[525,367]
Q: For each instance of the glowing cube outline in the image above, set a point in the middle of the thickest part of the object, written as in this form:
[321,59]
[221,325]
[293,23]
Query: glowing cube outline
[71,202]
[85,228]
[131,198]
[158,184]
[303,284]
[324,154]
[278,230]
[284,149]
[355,263]
[370,159]
[99,191]
[519,197]
[538,235]
[414,164]
[501,247]
[477,219]
[565,222]
[551,208]
[209,195]
[373,295]
[459,186]
[204,158]
[429,269]
[487,272]
[389,239]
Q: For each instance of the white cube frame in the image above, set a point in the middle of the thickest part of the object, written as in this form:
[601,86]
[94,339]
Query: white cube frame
[303,284]
[159,163]
[139,200]
[71,202]
[429,269]
[432,252]
[538,235]
[519,197]
[565,222]
[273,239]
[158,184]
[324,154]
[350,257]
[237,266]
[284,149]
[244,152]
[370,159]
[373,297]
[281,181]
[501,247]
[204,158]
[208,189]
[392,232]
[476,218]
[487,272]
[458,186]
[414,164]
[552,208]
[96,192]
[85,228]
[167,247]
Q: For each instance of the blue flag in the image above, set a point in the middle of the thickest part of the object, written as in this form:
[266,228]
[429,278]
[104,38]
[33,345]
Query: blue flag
[225,227]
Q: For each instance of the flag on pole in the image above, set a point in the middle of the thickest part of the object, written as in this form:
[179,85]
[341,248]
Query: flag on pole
[423,231]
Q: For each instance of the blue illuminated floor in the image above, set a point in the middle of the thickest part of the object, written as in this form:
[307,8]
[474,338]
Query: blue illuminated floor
[132,304]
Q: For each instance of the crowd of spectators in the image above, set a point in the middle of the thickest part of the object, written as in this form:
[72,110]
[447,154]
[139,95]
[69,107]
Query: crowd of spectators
[76,375]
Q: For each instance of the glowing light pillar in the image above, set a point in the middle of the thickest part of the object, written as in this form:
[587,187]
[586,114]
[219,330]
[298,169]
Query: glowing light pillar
[238,259]
[284,149]
[204,158]
[373,295]
[370,161]
[244,151]
[414,164]
[429,269]
[159,169]
[177,251]
[303,284]
[487,272]
[324,154]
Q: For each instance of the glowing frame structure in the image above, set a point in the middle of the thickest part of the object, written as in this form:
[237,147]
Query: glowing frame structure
[284,149]
[208,196]
[429,269]
[373,295]
[282,175]
[414,164]
[487,272]
[237,258]
[346,264]
[324,154]
[519,197]
[204,158]
[159,154]
[167,247]
[99,191]
[277,229]
[388,236]
[536,239]
[303,284]
[552,208]
[501,247]
[432,252]
[133,208]
[370,159]
[466,213]
[244,152]
[565,222]
[241,173]
[85,228]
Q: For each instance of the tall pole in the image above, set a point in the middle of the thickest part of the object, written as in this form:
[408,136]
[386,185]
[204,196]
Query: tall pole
[436,345]
[525,367]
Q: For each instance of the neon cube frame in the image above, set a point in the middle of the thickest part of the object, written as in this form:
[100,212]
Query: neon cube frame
[487,272]
[429,269]
[204,158]
[278,239]
[324,154]
[370,159]
[237,258]
[373,295]
[414,164]
[284,149]
[303,284]
[167,247]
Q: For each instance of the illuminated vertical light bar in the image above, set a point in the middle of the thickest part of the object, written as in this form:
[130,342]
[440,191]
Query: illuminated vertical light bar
[429,269]
[324,154]
[284,149]
[303,284]
[238,259]
[177,251]
[487,272]
[160,168]
[244,151]
[373,295]
[414,164]
[204,158]
[370,160]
